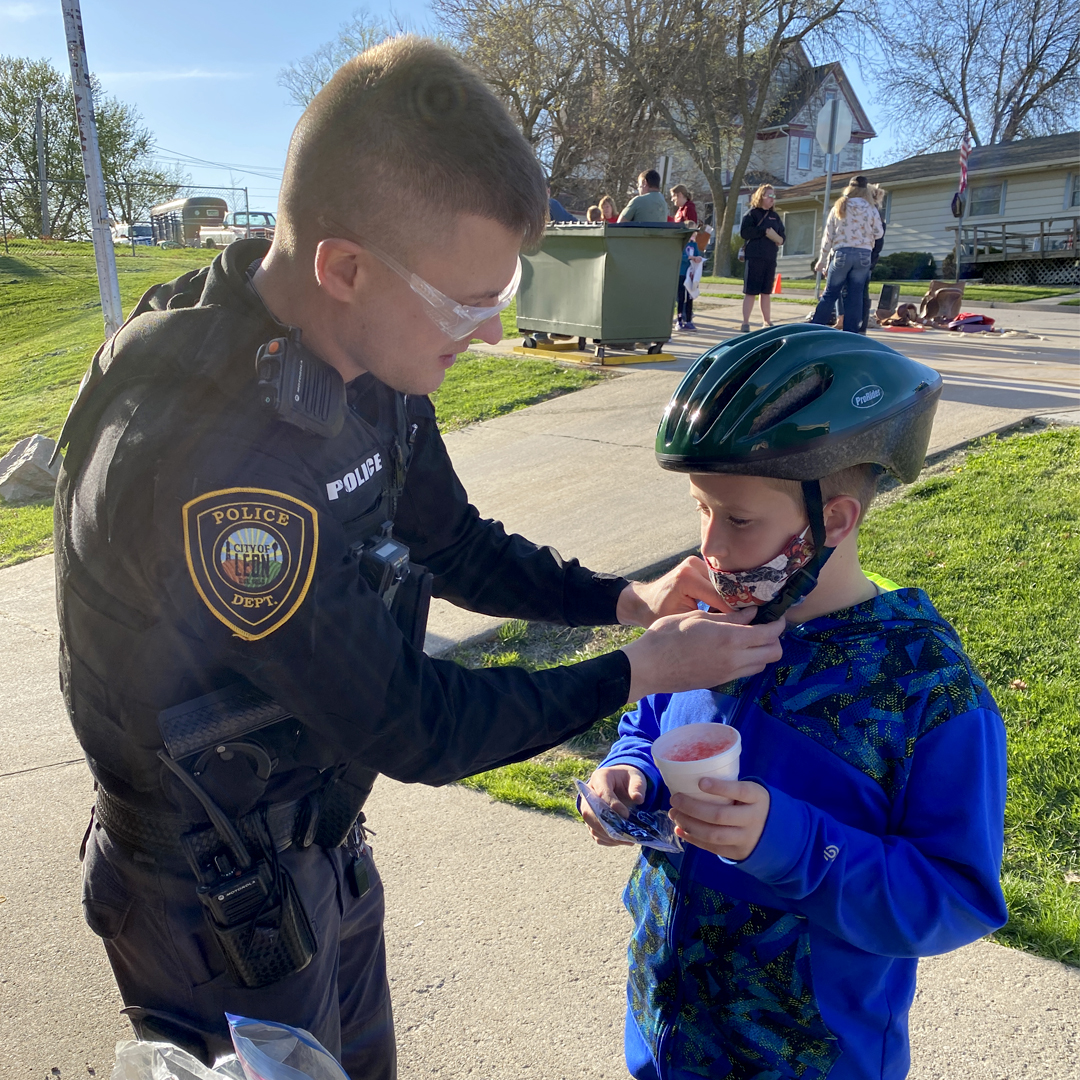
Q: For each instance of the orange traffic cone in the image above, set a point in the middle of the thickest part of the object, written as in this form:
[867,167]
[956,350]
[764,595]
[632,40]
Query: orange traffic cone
[778,283]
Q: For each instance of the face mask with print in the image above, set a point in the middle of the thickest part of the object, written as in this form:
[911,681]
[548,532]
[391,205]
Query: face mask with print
[762,584]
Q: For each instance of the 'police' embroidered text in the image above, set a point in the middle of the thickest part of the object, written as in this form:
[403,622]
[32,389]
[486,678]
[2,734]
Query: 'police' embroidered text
[356,478]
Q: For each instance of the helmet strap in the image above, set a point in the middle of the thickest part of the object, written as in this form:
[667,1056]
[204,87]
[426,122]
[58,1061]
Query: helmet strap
[805,580]
[815,511]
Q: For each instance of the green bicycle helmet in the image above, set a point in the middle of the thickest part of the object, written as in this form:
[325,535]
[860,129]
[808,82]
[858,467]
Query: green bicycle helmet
[799,402]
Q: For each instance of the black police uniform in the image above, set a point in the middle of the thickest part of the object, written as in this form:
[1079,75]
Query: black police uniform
[207,546]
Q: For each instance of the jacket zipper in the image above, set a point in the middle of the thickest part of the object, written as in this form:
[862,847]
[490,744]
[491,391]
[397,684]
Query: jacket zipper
[673,928]
[679,904]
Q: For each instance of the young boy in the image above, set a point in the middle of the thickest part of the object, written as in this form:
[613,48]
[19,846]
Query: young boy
[867,828]
[691,257]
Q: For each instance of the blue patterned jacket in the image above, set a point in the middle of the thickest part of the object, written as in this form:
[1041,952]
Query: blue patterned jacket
[884,756]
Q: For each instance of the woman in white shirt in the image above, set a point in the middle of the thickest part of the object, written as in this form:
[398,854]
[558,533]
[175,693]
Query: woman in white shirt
[852,227]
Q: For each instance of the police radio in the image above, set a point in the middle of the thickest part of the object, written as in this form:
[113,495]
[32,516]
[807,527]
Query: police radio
[299,387]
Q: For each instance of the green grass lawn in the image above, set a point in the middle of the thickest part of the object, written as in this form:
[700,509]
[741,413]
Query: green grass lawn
[51,318]
[1069,303]
[1000,294]
[995,541]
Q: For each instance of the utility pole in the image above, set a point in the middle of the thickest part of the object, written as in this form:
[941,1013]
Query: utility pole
[104,256]
[833,133]
[39,132]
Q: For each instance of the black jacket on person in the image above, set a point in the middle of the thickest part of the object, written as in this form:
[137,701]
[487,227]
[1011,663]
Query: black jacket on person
[201,540]
[879,243]
[752,230]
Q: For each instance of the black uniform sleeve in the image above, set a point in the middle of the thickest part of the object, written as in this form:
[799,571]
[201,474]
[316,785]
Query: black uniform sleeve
[476,564]
[336,659]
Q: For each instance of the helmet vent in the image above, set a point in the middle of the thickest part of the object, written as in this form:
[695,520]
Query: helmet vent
[803,389]
[745,371]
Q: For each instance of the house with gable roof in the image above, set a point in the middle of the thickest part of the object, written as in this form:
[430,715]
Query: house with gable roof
[786,147]
[786,151]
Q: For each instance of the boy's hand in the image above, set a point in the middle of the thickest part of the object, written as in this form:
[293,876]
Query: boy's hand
[620,786]
[678,591]
[732,831]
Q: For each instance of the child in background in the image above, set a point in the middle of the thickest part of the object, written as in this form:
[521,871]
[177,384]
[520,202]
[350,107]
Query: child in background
[685,210]
[691,256]
[594,215]
[868,828]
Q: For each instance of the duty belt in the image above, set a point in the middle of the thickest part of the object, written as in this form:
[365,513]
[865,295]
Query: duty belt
[158,833]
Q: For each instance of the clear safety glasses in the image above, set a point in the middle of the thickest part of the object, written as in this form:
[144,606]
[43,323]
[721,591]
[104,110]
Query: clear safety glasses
[456,321]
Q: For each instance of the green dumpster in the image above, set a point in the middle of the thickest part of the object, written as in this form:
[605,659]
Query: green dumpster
[613,284]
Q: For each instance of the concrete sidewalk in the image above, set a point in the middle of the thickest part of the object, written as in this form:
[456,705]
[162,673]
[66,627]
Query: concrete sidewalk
[505,933]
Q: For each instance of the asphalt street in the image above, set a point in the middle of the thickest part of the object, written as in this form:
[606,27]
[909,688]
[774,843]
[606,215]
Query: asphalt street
[505,934]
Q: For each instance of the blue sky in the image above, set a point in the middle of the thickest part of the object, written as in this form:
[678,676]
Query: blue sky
[204,74]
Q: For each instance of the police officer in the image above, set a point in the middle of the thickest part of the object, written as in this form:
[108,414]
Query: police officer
[254,505]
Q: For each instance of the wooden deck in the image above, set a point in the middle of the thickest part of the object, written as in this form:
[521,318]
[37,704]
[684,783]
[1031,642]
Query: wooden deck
[1013,241]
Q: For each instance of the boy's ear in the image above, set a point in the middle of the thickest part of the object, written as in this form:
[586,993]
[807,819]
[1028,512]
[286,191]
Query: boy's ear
[842,514]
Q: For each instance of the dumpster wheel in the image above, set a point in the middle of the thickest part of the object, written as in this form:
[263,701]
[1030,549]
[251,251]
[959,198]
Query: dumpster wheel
[656,347]
[529,343]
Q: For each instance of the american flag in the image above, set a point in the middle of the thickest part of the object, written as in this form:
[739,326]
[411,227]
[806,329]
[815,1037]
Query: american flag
[965,150]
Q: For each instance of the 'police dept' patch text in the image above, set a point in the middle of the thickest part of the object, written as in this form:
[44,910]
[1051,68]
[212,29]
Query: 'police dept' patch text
[355,478]
[867,397]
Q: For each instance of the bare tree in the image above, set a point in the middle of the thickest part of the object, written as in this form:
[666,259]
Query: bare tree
[1001,69]
[588,125]
[308,75]
[706,67]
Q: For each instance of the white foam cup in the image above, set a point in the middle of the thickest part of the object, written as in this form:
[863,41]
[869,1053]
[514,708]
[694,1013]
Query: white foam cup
[683,776]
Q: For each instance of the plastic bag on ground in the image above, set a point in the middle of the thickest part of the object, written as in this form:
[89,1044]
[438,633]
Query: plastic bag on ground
[163,1061]
[271,1051]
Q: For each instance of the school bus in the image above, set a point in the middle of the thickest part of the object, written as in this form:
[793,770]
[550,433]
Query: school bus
[179,222]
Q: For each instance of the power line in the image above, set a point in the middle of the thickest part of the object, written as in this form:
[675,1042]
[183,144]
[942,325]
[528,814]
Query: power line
[254,170]
[18,135]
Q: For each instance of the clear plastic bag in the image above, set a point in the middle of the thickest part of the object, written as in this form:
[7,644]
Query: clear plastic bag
[272,1051]
[163,1061]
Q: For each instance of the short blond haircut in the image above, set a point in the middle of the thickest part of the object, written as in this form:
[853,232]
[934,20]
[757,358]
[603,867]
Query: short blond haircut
[858,481]
[594,213]
[755,199]
[406,122]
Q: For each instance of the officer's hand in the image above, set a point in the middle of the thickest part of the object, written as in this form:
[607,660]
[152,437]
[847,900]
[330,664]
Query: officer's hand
[678,591]
[699,650]
[620,786]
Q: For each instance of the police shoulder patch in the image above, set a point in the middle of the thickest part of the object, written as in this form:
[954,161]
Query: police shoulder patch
[251,555]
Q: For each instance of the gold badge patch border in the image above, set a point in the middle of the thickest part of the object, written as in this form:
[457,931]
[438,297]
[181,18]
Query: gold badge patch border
[238,630]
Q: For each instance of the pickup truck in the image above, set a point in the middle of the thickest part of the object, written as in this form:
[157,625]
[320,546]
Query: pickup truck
[239,225]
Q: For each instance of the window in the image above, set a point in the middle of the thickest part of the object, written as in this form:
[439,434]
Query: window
[987,199]
[806,152]
[1072,190]
[886,210]
[799,233]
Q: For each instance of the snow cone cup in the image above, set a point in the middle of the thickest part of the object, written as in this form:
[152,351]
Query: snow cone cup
[685,755]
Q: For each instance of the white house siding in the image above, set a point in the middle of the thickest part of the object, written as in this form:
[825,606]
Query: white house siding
[770,156]
[804,125]
[920,214]
[850,157]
